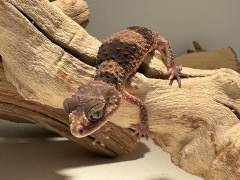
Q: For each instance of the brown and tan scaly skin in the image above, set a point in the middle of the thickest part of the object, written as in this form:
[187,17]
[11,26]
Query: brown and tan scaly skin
[119,58]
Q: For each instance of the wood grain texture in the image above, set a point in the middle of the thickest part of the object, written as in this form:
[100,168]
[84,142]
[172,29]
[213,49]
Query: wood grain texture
[31,50]
[46,56]
[77,10]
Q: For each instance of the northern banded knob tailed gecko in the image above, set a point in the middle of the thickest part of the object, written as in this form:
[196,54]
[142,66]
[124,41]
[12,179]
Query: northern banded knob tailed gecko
[118,59]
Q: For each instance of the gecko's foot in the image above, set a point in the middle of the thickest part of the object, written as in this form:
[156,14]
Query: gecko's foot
[175,73]
[101,136]
[140,130]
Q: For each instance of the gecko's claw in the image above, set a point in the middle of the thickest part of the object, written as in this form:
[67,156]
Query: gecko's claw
[101,136]
[140,130]
[175,73]
[100,139]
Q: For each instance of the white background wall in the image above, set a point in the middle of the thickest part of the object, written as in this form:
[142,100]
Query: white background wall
[214,23]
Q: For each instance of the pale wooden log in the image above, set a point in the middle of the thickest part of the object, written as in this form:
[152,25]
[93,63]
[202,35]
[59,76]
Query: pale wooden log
[76,9]
[193,123]
[43,45]
[197,124]
[35,65]
[16,109]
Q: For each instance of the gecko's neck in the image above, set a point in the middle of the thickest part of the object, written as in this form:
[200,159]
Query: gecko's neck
[107,77]
[110,72]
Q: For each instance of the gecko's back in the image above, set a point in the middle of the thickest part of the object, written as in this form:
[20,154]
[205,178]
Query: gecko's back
[121,54]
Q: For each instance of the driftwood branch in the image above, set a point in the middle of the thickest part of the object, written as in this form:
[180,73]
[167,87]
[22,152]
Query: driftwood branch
[46,56]
[76,9]
[40,48]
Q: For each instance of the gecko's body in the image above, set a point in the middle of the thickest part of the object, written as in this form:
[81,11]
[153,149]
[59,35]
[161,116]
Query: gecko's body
[123,52]
[118,59]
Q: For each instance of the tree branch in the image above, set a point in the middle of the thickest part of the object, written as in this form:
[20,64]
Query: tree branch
[76,9]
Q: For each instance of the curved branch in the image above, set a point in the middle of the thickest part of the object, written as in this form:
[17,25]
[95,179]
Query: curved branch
[76,9]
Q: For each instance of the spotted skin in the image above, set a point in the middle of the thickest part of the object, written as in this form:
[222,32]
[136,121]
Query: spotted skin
[118,59]
[122,53]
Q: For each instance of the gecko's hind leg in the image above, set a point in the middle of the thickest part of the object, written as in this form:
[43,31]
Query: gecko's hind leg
[141,129]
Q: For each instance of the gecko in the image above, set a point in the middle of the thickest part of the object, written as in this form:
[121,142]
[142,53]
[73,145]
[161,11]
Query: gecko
[118,60]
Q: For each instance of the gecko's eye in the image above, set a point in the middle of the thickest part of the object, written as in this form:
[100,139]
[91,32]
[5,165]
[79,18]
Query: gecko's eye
[96,116]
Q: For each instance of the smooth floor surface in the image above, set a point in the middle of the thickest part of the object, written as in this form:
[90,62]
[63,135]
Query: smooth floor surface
[28,152]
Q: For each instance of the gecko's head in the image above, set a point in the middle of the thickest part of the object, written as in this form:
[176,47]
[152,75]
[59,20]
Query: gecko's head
[89,107]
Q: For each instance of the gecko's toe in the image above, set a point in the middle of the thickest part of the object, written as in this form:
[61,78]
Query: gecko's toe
[175,74]
[179,81]
[100,140]
[101,136]
[140,130]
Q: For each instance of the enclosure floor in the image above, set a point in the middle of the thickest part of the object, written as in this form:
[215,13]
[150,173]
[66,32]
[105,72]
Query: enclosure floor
[28,152]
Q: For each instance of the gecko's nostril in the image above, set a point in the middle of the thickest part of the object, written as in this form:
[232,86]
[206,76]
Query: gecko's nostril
[80,131]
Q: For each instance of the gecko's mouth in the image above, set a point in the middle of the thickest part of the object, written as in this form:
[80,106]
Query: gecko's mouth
[80,126]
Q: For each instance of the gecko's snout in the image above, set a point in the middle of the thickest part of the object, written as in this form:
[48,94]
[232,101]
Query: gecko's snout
[77,131]
[81,126]
[76,125]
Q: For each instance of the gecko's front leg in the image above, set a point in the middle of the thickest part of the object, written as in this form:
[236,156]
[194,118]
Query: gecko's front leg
[102,135]
[142,128]
[174,72]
